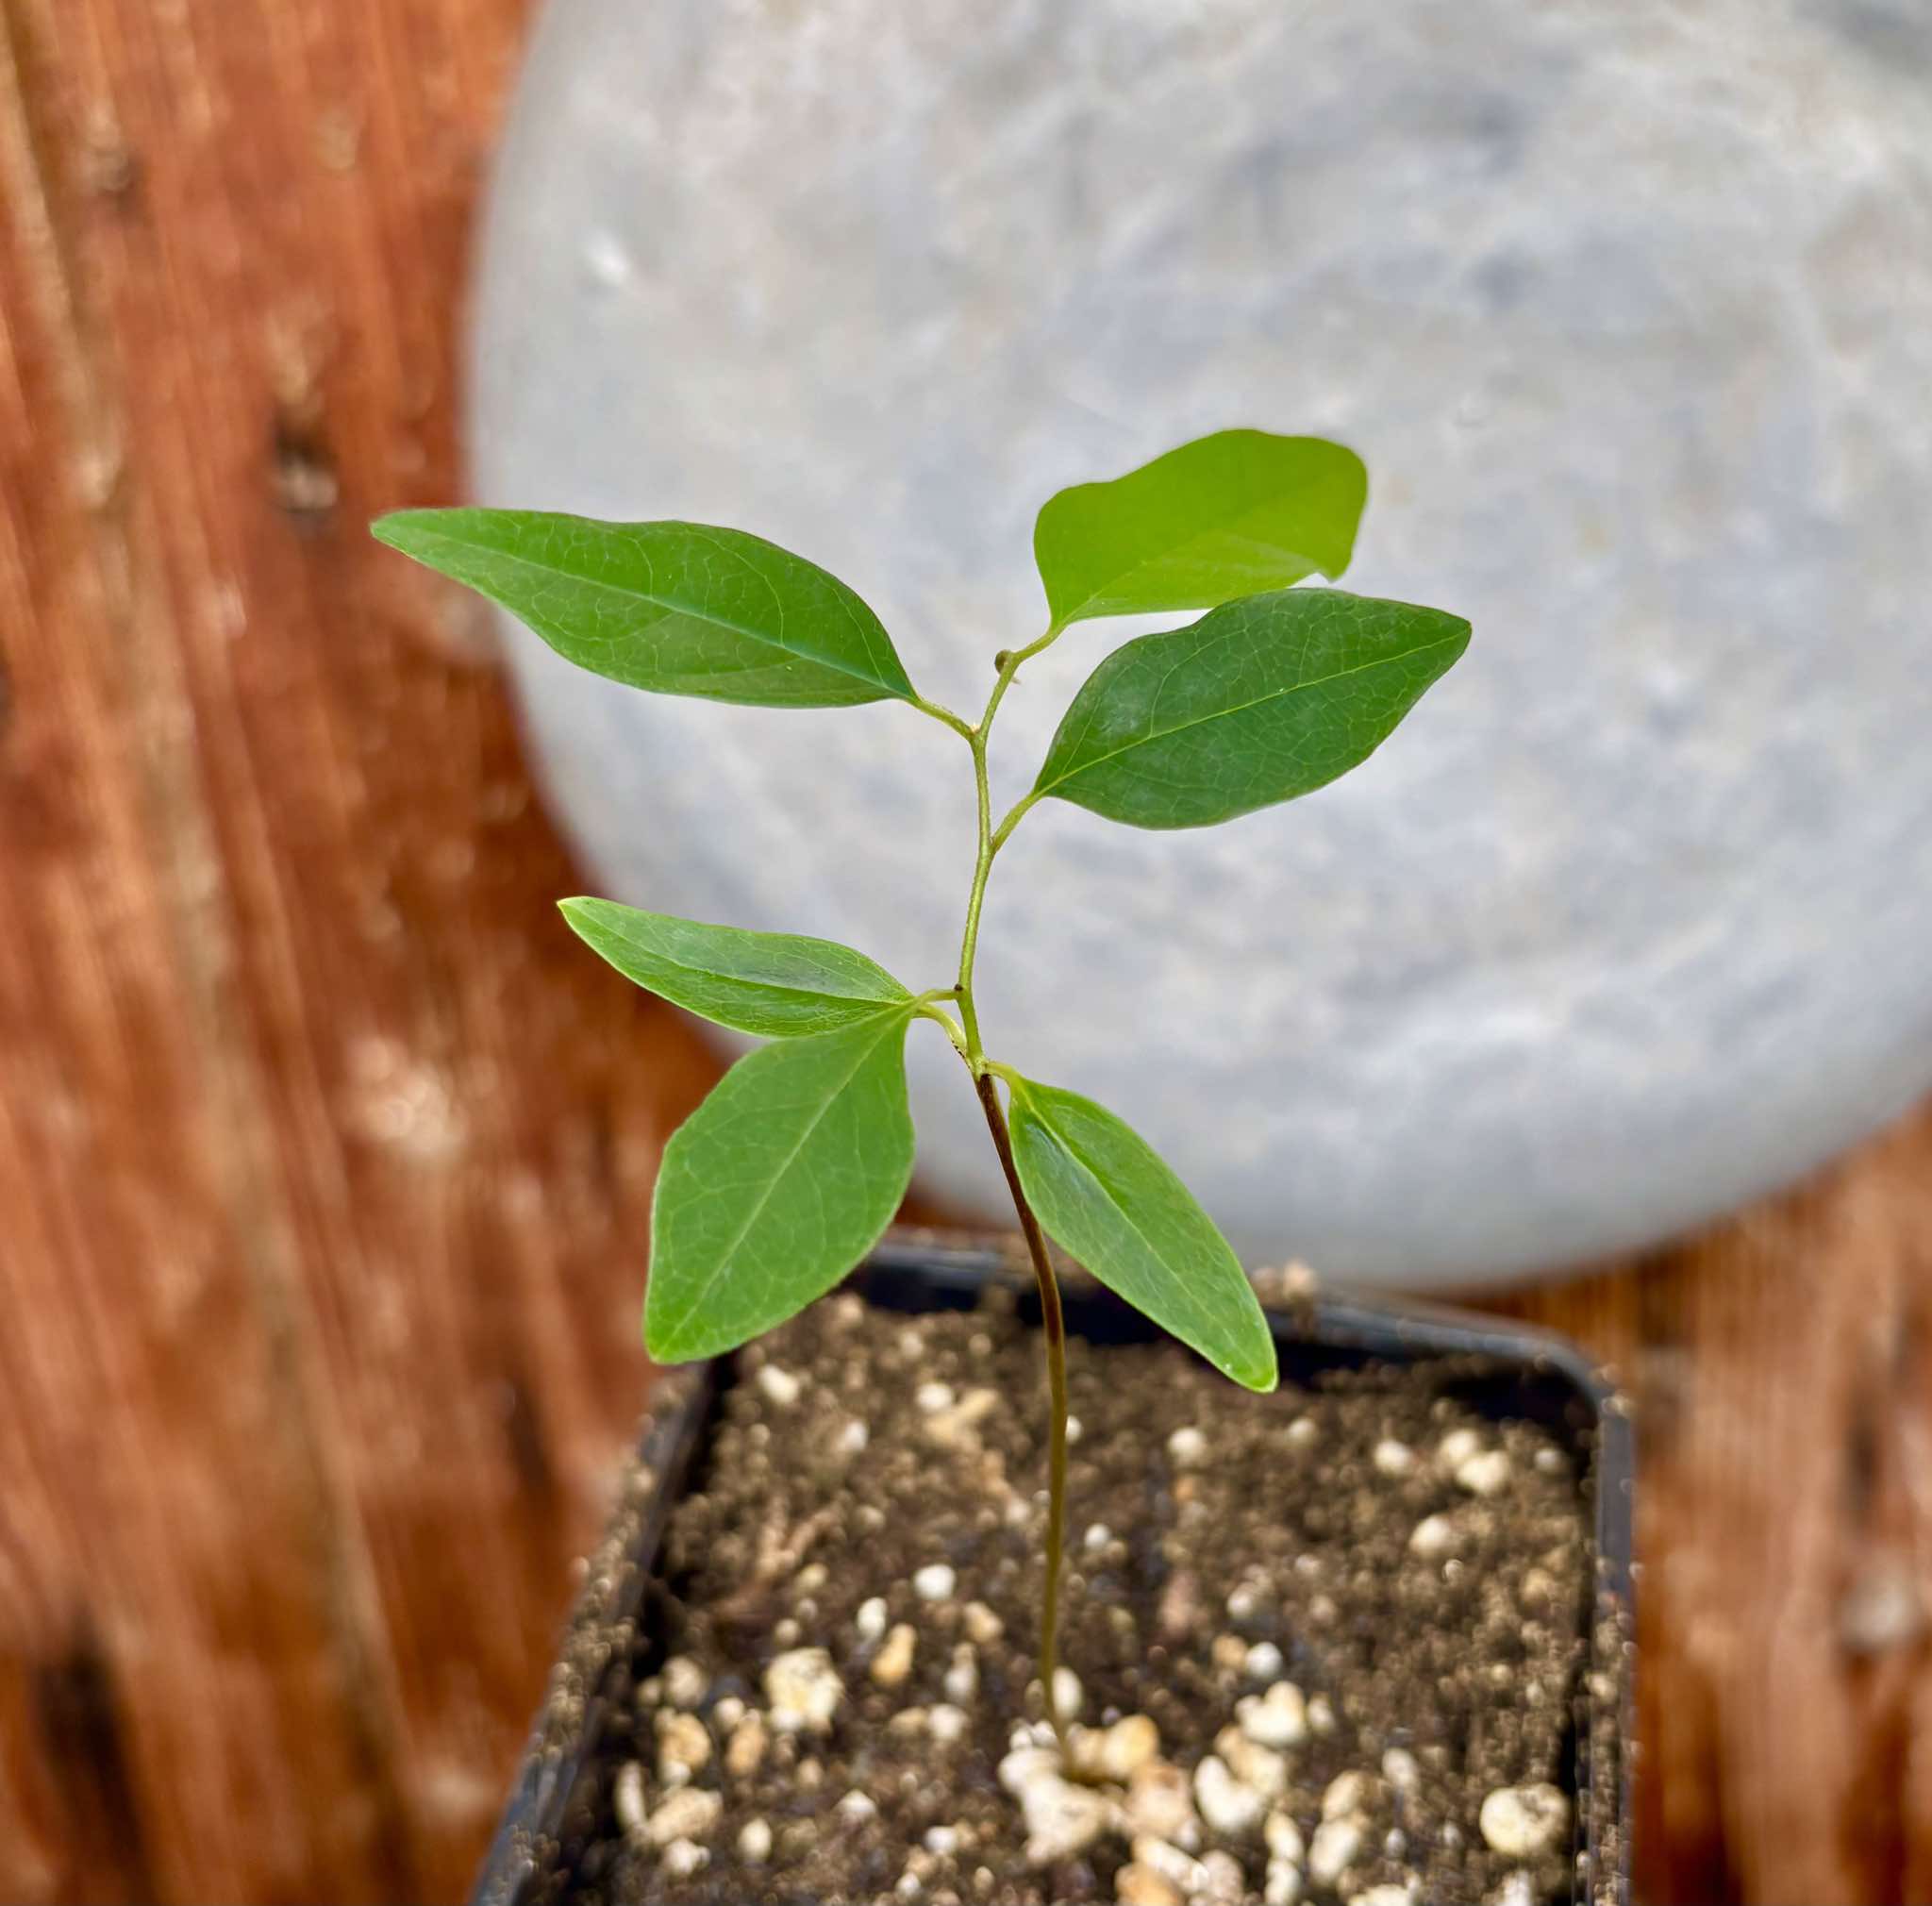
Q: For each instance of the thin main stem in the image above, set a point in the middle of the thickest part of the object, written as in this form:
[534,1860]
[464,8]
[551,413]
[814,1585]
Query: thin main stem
[1054,1329]
[966,1038]
[976,899]
[989,843]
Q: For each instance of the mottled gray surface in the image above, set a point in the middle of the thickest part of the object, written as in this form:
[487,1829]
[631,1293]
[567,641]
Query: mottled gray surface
[1626,307]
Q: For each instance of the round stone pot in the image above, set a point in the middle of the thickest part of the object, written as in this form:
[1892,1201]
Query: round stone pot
[1626,925]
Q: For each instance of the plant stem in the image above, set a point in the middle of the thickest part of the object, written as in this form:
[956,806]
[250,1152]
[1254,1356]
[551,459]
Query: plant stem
[928,1010]
[968,942]
[959,723]
[1054,1329]
[1053,1323]
[989,843]
[1014,816]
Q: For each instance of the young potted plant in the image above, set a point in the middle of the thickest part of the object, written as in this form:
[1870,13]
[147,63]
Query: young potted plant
[1356,1637]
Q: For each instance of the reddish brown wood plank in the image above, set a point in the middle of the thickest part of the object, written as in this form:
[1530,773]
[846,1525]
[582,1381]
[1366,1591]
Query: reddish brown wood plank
[324,1161]
[1782,1370]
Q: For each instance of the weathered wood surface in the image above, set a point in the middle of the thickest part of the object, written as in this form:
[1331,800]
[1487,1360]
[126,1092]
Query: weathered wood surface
[324,1156]
[1782,1373]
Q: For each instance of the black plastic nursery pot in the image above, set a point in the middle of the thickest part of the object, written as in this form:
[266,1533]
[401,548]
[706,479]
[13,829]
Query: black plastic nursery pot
[1498,1371]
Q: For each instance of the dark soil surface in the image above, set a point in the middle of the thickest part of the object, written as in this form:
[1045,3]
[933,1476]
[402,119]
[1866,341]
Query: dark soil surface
[1418,1576]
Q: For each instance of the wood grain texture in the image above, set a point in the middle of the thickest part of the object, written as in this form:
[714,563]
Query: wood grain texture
[1781,1367]
[324,1153]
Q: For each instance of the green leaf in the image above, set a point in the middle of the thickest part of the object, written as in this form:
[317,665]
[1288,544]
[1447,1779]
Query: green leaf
[1223,516]
[1104,1195]
[676,608]
[778,985]
[776,1185]
[1258,702]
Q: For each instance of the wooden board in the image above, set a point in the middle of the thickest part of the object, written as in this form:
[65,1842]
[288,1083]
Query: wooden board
[324,1155]
[1781,1368]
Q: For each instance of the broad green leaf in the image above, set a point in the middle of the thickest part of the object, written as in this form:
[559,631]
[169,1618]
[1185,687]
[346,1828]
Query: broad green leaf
[776,1185]
[1223,516]
[676,608]
[1103,1193]
[1258,702]
[778,985]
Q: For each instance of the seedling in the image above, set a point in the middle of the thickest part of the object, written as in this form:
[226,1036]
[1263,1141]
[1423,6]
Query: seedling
[788,1174]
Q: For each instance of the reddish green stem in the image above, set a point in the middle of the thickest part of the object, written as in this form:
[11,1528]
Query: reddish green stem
[1054,1329]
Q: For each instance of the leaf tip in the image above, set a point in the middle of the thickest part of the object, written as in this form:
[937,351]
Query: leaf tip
[1263,1380]
[1455,636]
[1256,1363]
[679,1342]
[400,528]
[580,915]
